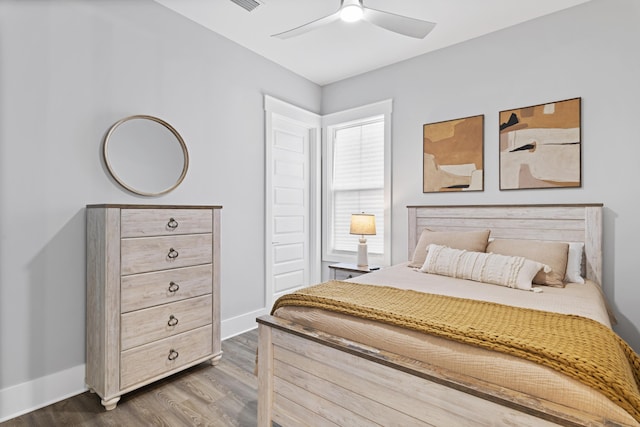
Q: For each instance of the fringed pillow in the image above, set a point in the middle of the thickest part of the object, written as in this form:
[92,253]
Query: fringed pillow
[510,271]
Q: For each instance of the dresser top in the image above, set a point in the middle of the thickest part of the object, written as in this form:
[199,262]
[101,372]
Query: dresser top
[126,206]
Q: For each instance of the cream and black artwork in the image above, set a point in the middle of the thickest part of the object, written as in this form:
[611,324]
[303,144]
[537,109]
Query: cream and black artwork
[540,146]
[453,155]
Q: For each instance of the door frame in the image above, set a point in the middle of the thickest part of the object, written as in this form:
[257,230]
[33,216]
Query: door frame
[277,108]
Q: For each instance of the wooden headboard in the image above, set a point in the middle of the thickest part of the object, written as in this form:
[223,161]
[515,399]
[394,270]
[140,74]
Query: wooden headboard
[565,223]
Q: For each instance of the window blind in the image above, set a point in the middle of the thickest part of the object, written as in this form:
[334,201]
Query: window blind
[358,182]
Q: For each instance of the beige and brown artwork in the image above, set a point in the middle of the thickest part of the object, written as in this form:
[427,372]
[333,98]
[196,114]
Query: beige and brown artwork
[540,146]
[453,155]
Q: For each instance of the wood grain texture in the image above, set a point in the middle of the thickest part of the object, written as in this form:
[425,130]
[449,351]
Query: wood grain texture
[136,206]
[358,385]
[146,362]
[360,379]
[564,223]
[220,396]
[103,302]
[143,290]
[132,348]
[215,244]
[144,254]
[265,379]
[156,222]
[155,323]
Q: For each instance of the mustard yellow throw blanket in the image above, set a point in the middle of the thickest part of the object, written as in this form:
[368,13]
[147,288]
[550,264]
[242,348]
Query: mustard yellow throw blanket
[576,346]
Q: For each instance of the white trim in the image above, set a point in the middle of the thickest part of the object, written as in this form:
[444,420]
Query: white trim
[40,392]
[241,324]
[385,108]
[293,112]
[373,109]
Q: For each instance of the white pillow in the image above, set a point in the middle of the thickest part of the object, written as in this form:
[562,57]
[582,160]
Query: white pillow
[574,263]
[510,271]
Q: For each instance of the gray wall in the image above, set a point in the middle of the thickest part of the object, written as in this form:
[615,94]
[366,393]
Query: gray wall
[69,69]
[590,51]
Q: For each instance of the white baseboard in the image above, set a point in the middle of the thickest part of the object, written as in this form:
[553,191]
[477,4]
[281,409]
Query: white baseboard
[239,324]
[31,395]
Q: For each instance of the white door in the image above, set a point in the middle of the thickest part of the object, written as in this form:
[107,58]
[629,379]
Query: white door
[291,232]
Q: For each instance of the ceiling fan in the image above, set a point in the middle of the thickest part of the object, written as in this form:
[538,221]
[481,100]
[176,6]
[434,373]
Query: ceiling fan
[355,10]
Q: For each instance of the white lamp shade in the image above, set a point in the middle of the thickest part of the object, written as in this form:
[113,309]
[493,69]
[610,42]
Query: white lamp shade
[363,224]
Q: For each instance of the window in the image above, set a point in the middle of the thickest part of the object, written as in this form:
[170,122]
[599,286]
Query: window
[357,179]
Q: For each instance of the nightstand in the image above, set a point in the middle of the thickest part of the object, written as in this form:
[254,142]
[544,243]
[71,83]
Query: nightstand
[344,271]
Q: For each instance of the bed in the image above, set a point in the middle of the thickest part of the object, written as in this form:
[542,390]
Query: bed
[319,367]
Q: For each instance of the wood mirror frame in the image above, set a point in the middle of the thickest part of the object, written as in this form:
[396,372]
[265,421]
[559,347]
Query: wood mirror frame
[142,154]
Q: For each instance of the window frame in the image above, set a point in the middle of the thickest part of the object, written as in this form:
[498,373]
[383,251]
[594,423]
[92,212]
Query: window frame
[337,120]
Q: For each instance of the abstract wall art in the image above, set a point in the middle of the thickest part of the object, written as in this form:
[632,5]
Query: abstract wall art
[453,155]
[540,146]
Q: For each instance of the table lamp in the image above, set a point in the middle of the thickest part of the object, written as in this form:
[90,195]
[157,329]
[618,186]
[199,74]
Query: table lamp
[364,225]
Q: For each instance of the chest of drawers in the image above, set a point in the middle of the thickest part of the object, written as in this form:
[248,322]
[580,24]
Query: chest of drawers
[153,294]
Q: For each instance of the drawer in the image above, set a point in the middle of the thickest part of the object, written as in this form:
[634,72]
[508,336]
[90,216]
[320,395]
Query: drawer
[162,222]
[152,324]
[345,274]
[150,360]
[144,254]
[162,287]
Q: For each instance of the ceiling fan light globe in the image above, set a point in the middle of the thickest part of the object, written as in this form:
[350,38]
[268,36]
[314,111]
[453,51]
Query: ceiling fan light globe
[351,13]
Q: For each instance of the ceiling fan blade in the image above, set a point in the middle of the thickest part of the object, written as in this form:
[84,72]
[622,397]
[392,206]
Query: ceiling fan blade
[411,27]
[308,26]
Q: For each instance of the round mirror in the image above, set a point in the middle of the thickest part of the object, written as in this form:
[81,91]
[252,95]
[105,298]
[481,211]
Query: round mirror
[145,155]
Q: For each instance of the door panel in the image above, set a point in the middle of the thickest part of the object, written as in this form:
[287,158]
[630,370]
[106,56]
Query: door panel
[290,205]
[292,198]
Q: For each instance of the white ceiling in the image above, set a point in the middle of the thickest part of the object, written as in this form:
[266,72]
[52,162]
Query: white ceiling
[340,50]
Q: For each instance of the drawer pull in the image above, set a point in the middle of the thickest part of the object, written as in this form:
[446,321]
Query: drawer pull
[172,224]
[173,320]
[173,355]
[173,287]
[173,254]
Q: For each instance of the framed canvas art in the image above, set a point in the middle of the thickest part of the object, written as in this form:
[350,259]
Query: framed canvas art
[540,146]
[453,155]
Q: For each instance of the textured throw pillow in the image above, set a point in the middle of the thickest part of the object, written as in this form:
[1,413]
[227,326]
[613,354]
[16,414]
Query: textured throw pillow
[574,263]
[553,254]
[510,271]
[475,241]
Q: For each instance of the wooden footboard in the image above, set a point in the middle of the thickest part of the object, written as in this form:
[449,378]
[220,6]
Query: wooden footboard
[310,378]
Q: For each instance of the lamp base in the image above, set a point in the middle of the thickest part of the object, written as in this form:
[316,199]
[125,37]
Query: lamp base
[363,260]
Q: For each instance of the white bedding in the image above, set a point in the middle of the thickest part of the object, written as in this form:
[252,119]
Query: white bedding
[580,299]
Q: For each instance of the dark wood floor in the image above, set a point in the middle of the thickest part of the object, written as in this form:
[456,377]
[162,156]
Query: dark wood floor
[205,395]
